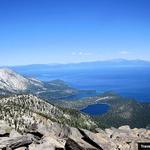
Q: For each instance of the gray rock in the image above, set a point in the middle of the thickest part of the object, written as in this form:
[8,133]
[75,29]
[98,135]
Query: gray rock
[13,143]
[4,129]
[100,131]
[96,140]
[125,128]
[77,137]
[59,130]
[72,145]
[14,134]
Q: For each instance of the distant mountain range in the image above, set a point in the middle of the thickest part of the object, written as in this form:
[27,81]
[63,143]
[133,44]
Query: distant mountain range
[102,62]
[31,69]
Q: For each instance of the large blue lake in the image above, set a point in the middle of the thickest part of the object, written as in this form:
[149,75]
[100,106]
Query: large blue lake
[132,82]
[96,109]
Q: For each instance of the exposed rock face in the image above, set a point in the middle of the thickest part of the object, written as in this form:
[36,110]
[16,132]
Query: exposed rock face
[72,145]
[67,138]
[4,129]
[14,82]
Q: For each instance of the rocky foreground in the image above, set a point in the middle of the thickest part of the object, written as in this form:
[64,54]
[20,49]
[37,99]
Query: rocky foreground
[54,136]
[30,123]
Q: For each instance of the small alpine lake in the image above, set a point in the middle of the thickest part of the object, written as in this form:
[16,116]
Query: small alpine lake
[96,109]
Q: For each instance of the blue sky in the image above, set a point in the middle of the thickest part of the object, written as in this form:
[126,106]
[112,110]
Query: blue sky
[63,31]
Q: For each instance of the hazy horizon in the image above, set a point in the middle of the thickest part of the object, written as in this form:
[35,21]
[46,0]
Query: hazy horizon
[57,63]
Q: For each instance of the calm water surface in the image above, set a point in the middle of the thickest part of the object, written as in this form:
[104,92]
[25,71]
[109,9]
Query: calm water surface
[132,82]
[96,109]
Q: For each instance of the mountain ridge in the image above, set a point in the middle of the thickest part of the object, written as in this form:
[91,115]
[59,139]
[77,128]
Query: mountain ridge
[14,83]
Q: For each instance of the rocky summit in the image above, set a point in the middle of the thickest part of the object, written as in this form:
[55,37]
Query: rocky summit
[30,123]
[55,136]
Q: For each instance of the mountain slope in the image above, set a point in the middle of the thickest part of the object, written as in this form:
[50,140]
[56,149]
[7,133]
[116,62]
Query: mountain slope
[23,110]
[44,68]
[14,83]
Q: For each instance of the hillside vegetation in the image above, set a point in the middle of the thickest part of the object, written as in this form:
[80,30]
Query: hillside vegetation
[21,111]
